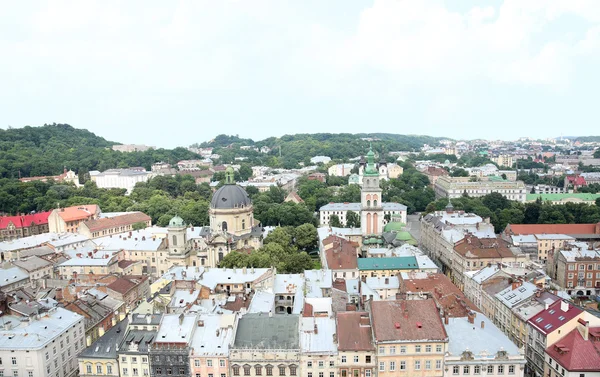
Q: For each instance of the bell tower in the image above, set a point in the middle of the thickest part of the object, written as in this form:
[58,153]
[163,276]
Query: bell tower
[371,206]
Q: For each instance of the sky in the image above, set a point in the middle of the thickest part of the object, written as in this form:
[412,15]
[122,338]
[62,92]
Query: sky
[173,73]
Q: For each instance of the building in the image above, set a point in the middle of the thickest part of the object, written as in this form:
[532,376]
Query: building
[341,211]
[13,278]
[113,225]
[409,337]
[433,173]
[503,160]
[13,227]
[318,339]
[546,243]
[128,148]
[194,165]
[581,232]
[548,327]
[37,268]
[134,349]
[340,170]
[101,358]
[506,300]
[121,178]
[170,349]
[455,187]
[209,346]
[569,197]
[477,347]
[356,352]
[576,268]
[98,317]
[391,266]
[130,289]
[575,355]
[320,159]
[474,280]
[68,219]
[266,345]
[46,344]
[340,256]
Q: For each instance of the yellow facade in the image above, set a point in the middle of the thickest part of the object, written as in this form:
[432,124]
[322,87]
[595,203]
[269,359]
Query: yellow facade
[410,359]
[98,367]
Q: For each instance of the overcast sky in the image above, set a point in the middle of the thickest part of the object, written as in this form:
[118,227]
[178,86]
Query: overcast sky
[169,73]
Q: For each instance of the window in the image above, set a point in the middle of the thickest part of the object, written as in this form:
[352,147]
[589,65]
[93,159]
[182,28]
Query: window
[417,349]
[392,350]
[222,363]
[321,364]
[246,370]
[438,364]
[309,363]
[438,348]
[417,364]
[309,374]
[402,349]
[320,374]
[382,366]
[331,363]
[109,369]
[382,350]
[258,370]
[236,370]
[427,364]
[500,369]
[134,371]
[368,359]
[343,359]
[367,372]
[30,373]
[466,369]
[269,370]
[511,369]
[15,373]
[88,368]
[477,369]
[455,369]
[490,369]
[293,370]
[428,348]
[14,360]
[209,363]
[182,372]
[282,371]
[125,372]
[99,369]
[196,363]
[392,366]
[355,359]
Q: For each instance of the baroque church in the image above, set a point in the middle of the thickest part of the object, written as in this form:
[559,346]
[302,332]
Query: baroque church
[232,227]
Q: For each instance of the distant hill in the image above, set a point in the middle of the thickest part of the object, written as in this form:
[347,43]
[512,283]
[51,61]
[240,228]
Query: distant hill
[47,150]
[299,147]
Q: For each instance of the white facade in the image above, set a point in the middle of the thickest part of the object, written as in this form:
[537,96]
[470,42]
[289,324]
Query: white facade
[120,178]
[341,211]
[44,346]
[456,187]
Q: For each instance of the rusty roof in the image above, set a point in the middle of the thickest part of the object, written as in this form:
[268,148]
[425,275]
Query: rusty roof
[407,320]
[116,221]
[524,229]
[473,247]
[354,331]
[342,254]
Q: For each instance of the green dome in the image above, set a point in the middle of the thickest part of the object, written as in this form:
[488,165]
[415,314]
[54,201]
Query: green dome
[176,222]
[393,226]
[403,236]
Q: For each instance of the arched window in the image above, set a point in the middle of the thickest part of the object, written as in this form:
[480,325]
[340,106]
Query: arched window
[368,203]
[374,203]
[98,368]
[224,226]
[220,256]
[174,240]
[88,368]
[243,224]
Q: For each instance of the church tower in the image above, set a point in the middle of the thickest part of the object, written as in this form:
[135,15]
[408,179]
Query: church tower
[177,237]
[371,207]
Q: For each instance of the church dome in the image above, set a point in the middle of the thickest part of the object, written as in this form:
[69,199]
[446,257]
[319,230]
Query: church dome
[176,222]
[229,197]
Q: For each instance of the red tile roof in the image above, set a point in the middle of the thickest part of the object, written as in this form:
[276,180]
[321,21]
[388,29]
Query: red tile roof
[342,254]
[354,331]
[446,295]
[78,212]
[525,229]
[473,247]
[126,283]
[576,354]
[420,322]
[24,221]
[576,180]
[117,221]
[435,171]
[554,317]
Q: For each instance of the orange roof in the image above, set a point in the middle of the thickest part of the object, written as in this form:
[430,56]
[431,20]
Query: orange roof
[525,229]
[78,212]
[342,255]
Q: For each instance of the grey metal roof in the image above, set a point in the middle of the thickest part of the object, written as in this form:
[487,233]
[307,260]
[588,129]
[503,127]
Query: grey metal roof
[230,196]
[259,331]
[141,338]
[106,346]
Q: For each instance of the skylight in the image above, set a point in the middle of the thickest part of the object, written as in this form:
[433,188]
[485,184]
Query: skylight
[539,320]
[552,311]
[548,326]
[562,318]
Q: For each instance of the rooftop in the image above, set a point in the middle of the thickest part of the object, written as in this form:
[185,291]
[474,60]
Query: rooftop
[176,328]
[388,263]
[317,334]
[80,212]
[342,255]
[106,346]
[116,221]
[32,263]
[354,331]
[554,317]
[576,354]
[524,229]
[515,294]
[261,331]
[213,335]
[408,320]
[11,275]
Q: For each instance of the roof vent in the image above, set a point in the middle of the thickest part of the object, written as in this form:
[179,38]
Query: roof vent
[397,325]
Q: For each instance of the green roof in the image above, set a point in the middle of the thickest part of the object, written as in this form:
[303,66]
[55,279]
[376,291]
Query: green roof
[391,263]
[372,241]
[393,226]
[575,197]
[403,236]
[176,221]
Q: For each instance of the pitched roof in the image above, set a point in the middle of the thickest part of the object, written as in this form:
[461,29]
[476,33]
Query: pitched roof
[342,254]
[474,247]
[551,228]
[116,221]
[354,331]
[420,322]
[587,355]
[78,212]
[24,221]
[126,283]
[554,317]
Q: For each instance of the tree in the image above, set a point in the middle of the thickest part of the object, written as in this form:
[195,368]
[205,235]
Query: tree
[334,221]
[306,237]
[352,219]
[459,172]
[245,172]
[503,176]
[281,236]
[598,201]
[139,226]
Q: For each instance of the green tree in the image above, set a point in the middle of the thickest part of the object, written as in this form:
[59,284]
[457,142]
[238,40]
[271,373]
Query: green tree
[459,172]
[306,237]
[352,219]
[334,221]
[139,226]
[245,172]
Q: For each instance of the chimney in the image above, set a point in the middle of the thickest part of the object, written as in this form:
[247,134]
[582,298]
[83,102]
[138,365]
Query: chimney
[200,323]
[397,325]
[364,320]
[446,320]
[564,306]
[181,317]
[482,324]
[471,317]
[316,329]
[584,328]
[516,284]
[148,318]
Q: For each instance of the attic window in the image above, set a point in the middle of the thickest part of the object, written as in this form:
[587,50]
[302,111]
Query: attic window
[539,320]
[561,318]
[548,326]
[224,199]
[552,311]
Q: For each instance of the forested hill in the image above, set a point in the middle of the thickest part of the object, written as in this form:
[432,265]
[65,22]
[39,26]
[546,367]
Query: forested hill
[299,147]
[46,150]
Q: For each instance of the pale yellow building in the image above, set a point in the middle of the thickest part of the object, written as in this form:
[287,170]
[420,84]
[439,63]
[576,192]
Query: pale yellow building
[549,242]
[410,338]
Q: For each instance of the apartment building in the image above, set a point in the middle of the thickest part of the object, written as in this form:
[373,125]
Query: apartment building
[576,268]
[68,219]
[107,226]
[356,352]
[209,345]
[455,187]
